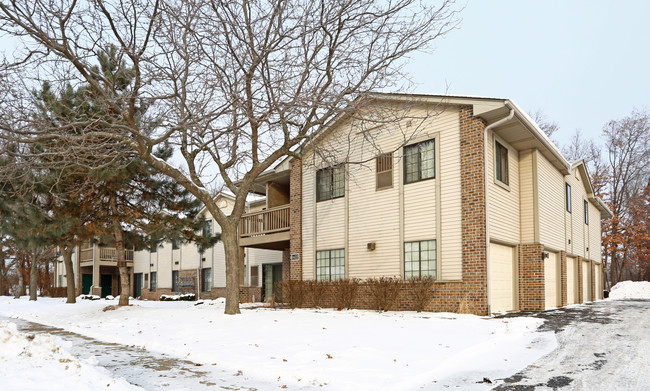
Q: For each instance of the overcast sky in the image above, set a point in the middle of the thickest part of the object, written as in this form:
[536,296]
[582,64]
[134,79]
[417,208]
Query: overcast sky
[582,63]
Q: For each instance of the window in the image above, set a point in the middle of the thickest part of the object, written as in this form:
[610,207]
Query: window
[255,276]
[176,244]
[330,183]
[174,280]
[420,259]
[501,162]
[330,265]
[207,228]
[384,171]
[153,247]
[567,197]
[586,212]
[206,279]
[154,282]
[60,281]
[419,161]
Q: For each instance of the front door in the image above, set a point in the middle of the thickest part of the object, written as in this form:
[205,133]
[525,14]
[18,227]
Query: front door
[272,273]
[86,283]
[137,285]
[107,284]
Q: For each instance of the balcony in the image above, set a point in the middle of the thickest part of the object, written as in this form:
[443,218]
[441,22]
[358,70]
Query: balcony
[267,229]
[107,256]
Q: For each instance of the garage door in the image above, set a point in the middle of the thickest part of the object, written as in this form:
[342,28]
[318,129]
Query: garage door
[550,280]
[586,281]
[598,278]
[571,280]
[501,280]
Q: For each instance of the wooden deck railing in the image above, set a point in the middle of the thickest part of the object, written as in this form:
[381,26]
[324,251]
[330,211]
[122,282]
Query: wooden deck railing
[265,222]
[86,254]
[110,254]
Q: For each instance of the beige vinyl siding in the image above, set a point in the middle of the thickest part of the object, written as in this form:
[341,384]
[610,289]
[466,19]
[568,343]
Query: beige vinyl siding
[595,246]
[551,204]
[450,243]
[420,211]
[374,216]
[577,216]
[308,233]
[504,203]
[527,190]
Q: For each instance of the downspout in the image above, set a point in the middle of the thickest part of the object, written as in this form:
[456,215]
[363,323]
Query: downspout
[486,190]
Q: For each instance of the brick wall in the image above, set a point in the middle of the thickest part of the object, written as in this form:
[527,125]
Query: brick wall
[531,277]
[294,271]
[247,294]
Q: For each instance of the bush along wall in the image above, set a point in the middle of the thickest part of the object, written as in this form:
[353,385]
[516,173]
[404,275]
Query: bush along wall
[381,294]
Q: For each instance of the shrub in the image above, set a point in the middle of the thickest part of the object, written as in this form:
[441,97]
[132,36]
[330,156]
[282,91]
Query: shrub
[421,291]
[293,293]
[384,291]
[316,292]
[345,292]
[183,297]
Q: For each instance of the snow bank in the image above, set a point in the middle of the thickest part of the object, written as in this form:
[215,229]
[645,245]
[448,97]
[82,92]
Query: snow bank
[29,362]
[630,290]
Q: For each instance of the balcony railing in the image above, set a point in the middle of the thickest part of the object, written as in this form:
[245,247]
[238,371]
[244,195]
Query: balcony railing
[105,254]
[264,222]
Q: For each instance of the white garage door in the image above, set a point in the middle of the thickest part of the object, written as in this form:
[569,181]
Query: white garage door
[571,280]
[586,281]
[550,280]
[501,278]
[598,278]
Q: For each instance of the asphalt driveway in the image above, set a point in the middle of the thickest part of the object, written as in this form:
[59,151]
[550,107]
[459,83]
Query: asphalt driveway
[603,345]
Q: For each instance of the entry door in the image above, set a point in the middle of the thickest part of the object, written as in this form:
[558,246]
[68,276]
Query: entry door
[107,284]
[86,283]
[272,274]
[137,285]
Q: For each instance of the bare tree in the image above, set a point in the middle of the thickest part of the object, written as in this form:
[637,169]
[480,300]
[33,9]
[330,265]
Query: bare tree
[233,86]
[548,127]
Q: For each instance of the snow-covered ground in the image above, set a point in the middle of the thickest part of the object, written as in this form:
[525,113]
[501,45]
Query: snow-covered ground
[37,362]
[299,349]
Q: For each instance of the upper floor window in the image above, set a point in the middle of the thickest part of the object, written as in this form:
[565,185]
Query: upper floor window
[567,197]
[586,212]
[207,228]
[501,162]
[176,244]
[419,161]
[384,171]
[330,183]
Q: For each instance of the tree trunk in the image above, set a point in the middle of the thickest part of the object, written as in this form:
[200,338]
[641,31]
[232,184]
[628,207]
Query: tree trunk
[33,277]
[2,276]
[69,274]
[231,249]
[21,277]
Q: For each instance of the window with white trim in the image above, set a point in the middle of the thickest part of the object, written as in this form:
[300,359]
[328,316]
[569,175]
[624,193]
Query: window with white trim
[384,166]
[419,161]
[420,259]
[586,212]
[330,183]
[501,163]
[330,265]
[567,197]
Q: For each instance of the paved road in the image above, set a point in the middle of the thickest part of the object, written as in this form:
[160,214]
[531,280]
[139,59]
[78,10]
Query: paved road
[603,345]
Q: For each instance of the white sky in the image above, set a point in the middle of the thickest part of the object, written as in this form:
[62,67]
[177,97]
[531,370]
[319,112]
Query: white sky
[582,63]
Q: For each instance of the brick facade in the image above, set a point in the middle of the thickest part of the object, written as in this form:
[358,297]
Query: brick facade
[294,269]
[532,293]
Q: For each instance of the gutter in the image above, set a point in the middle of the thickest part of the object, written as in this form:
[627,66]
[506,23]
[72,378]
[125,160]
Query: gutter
[487,192]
